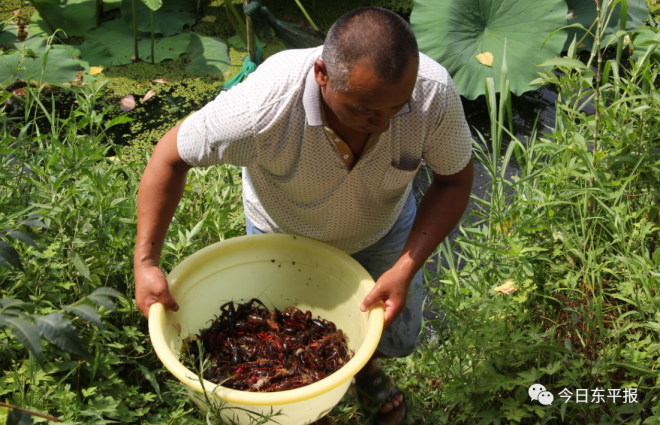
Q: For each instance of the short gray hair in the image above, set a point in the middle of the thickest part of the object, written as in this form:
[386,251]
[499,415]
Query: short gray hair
[376,34]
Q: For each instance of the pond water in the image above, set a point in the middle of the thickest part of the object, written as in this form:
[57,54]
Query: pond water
[534,108]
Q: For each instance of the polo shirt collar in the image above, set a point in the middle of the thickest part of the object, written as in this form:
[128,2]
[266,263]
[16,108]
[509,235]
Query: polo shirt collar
[312,102]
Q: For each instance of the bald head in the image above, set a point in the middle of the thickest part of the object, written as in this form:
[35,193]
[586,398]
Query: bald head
[377,36]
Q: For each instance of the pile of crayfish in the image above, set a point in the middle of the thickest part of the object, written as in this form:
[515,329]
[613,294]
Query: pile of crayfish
[252,348]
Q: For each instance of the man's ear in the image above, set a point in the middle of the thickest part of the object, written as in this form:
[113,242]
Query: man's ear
[320,73]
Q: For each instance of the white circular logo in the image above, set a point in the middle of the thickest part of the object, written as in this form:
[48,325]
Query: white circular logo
[535,390]
[546,398]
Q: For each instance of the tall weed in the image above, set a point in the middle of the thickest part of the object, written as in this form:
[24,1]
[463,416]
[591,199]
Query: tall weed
[67,206]
[554,279]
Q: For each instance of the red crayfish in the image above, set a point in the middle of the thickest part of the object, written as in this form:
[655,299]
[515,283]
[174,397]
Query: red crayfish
[252,348]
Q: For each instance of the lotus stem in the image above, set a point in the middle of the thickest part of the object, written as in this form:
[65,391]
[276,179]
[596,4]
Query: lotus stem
[31,412]
[249,35]
[135,30]
[309,19]
[235,20]
[152,33]
[99,12]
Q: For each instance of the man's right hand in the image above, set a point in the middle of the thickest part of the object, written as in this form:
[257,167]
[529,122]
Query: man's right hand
[150,287]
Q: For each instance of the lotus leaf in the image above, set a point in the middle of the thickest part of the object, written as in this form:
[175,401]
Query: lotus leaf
[35,60]
[74,17]
[167,47]
[208,55]
[119,41]
[583,12]
[172,18]
[468,37]
[113,35]
[8,36]
[94,54]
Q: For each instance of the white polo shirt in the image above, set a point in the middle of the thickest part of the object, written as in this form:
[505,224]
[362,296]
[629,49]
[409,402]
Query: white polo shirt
[295,179]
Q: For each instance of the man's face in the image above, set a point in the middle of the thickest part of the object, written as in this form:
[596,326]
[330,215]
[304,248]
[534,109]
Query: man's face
[368,104]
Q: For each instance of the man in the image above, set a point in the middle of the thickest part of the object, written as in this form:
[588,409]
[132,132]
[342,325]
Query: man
[330,139]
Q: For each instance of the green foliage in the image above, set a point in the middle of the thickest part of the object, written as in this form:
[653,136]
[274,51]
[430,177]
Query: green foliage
[55,327]
[573,235]
[17,232]
[582,15]
[75,17]
[153,33]
[67,202]
[470,38]
[38,59]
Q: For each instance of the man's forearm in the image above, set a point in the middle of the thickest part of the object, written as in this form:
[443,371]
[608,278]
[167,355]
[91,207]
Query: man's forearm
[155,208]
[440,209]
[159,193]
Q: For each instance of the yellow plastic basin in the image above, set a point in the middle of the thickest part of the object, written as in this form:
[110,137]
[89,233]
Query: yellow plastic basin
[280,270]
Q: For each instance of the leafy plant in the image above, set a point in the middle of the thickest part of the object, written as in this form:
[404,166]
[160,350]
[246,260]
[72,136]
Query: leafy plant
[39,59]
[469,38]
[59,167]
[553,278]
[107,42]
[54,326]
[9,256]
[624,15]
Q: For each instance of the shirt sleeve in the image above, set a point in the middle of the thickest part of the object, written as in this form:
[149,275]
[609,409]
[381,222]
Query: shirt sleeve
[451,147]
[222,132]
[228,129]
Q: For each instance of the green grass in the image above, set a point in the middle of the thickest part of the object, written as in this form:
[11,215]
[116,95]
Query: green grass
[64,173]
[575,231]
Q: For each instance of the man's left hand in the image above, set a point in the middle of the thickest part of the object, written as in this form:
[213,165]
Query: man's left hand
[392,289]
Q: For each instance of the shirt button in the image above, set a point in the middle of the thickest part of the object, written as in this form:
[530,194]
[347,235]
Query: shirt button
[346,156]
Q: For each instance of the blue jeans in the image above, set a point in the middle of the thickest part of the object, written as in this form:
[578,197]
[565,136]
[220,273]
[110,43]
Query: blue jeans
[400,338]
